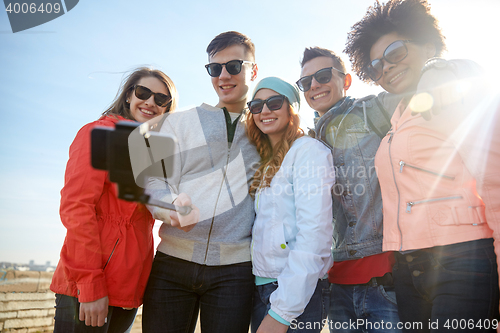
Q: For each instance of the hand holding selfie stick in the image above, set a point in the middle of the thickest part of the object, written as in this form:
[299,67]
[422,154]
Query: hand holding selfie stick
[127,153]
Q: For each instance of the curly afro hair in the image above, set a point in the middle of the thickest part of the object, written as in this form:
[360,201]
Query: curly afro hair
[409,18]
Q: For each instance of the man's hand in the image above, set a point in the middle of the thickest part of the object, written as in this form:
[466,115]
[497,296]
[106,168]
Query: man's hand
[184,222]
[94,313]
[271,325]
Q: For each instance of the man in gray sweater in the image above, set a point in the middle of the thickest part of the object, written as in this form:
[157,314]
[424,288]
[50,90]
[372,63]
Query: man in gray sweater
[206,266]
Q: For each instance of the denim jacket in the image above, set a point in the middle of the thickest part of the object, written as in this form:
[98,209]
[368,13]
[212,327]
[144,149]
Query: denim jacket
[357,202]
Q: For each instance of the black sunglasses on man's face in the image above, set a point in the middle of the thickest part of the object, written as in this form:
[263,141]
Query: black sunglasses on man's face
[322,76]
[233,67]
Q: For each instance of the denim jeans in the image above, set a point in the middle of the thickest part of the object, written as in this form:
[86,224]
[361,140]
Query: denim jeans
[178,289]
[369,307]
[314,314]
[67,321]
[454,285]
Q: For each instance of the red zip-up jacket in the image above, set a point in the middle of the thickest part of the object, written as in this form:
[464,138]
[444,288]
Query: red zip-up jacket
[108,250]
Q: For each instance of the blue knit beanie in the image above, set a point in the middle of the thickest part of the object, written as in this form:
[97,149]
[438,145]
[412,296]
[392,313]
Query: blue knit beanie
[281,87]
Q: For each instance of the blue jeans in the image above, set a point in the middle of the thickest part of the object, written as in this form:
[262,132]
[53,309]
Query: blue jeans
[451,285]
[369,307]
[177,289]
[67,321]
[314,314]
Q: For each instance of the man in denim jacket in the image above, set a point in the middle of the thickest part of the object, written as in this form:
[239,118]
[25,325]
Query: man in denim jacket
[362,288]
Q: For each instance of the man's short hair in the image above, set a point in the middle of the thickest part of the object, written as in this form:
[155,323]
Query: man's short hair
[230,38]
[314,52]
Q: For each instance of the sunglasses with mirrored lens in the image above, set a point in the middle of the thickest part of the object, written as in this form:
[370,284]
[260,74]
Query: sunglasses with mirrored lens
[233,67]
[393,54]
[273,103]
[144,93]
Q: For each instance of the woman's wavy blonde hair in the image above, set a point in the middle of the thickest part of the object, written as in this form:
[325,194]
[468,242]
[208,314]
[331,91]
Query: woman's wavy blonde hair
[271,159]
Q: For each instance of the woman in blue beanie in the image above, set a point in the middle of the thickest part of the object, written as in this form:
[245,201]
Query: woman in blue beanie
[292,233]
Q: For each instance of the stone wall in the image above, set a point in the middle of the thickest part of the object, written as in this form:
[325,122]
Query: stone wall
[27,304]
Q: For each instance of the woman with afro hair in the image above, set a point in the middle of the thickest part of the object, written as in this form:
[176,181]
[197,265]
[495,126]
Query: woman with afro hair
[440,192]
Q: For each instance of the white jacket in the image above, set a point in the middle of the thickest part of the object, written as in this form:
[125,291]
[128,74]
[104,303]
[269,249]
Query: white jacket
[292,233]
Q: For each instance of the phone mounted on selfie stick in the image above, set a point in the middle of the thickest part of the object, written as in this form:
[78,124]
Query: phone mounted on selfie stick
[131,153]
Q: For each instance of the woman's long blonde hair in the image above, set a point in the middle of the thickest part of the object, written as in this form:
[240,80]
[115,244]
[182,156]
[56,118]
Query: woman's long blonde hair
[271,159]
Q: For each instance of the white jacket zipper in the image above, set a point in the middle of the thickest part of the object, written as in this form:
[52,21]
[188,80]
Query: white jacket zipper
[413,203]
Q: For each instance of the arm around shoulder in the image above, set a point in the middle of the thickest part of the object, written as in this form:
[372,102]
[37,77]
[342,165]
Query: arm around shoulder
[454,87]
[314,177]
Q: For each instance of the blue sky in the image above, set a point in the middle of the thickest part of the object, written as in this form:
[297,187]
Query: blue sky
[58,76]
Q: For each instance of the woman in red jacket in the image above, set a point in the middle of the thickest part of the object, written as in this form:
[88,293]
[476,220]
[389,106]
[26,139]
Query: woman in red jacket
[108,251]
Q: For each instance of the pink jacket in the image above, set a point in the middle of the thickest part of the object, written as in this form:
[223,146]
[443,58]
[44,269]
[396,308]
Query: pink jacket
[428,171]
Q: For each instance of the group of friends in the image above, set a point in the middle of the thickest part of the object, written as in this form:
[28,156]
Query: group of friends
[386,214]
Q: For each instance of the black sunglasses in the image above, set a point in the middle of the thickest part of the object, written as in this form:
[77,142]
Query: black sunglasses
[144,93]
[233,67]
[322,76]
[393,54]
[273,103]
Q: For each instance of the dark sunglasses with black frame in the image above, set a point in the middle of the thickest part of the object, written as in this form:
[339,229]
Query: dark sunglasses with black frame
[233,67]
[273,103]
[144,93]
[394,53]
[322,76]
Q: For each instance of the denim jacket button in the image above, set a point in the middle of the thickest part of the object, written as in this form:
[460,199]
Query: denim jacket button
[409,258]
[352,224]
[416,273]
[352,252]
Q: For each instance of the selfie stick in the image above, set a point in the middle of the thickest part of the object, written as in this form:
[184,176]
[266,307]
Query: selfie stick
[183,210]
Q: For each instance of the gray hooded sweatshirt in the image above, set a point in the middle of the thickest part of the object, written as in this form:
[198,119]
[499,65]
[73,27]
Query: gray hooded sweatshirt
[216,175]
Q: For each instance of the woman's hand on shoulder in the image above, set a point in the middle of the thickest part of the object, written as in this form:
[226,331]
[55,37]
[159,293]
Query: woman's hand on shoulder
[437,91]
[448,86]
